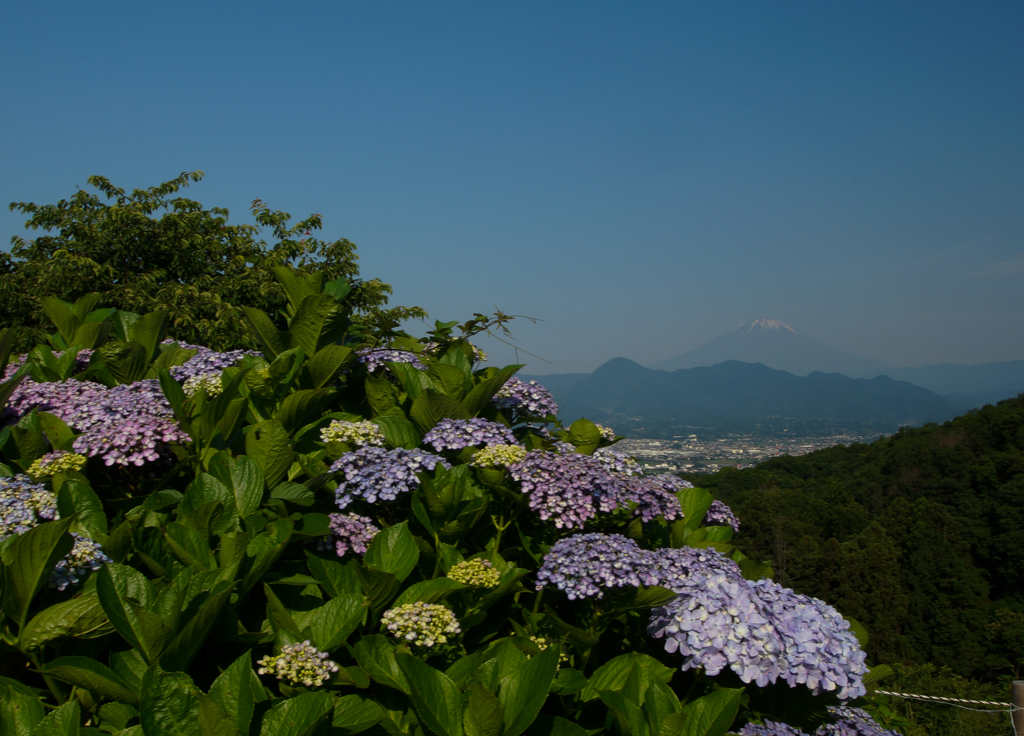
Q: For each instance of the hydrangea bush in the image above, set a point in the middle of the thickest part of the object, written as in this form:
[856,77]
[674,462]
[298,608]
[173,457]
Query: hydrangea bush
[358,531]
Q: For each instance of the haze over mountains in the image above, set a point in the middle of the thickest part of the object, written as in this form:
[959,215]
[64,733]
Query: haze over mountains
[777,345]
[765,377]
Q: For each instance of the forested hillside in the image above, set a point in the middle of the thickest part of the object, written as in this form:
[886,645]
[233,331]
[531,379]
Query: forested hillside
[920,536]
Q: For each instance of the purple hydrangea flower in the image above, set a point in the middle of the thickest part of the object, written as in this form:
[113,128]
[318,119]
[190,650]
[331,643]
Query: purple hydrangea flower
[759,630]
[525,399]
[206,362]
[770,728]
[351,532]
[455,434]
[84,557]
[373,473]
[721,515]
[568,489]
[852,722]
[23,505]
[584,564]
[849,722]
[374,358]
[655,496]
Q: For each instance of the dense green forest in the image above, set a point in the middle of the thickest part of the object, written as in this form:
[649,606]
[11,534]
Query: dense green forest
[920,536]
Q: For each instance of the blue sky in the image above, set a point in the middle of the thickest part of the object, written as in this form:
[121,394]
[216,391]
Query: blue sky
[642,177]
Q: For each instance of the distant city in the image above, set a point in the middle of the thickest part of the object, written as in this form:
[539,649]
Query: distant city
[689,454]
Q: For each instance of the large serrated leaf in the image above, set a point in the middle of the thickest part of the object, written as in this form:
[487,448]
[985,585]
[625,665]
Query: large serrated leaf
[272,341]
[83,618]
[298,716]
[267,444]
[60,722]
[303,407]
[437,701]
[87,673]
[169,705]
[332,622]
[393,550]
[327,364]
[185,646]
[29,560]
[523,693]
[713,714]
[431,406]
[319,321]
[376,656]
[233,692]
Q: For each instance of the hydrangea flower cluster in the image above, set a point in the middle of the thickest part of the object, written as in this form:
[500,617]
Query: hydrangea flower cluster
[353,433]
[126,425]
[58,461]
[299,664]
[477,572]
[86,555]
[606,432]
[374,358]
[351,532]
[819,649]
[525,399]
[210,381]
[206,362]
[721,515]
[421,624]
[617,462]
[759,630]
[498,456]
[770,728]
[23,505]
[569,489]
[655,495]
[455,434]
[850,722]
[373,473]
[583,564]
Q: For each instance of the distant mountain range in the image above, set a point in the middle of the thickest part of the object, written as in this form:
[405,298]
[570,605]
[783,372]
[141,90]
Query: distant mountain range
[767,376]
[777,345]
[742,397]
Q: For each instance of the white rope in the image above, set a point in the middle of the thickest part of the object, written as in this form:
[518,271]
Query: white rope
[1004,707]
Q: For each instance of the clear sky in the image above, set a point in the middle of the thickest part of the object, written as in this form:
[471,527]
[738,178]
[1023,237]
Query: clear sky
[641,176]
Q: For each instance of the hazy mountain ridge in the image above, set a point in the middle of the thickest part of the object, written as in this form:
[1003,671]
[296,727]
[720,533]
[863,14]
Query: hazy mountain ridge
[744,397]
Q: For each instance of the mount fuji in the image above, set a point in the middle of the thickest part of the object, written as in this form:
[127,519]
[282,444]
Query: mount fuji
[779,346]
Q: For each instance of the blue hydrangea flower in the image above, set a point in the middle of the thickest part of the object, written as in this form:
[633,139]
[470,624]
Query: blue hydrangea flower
[84,557]
[206,362]
[351,532]
[455,434]
[373,473]
[721,515]
[567,489]
[583,565]
[374,358]
[525,399]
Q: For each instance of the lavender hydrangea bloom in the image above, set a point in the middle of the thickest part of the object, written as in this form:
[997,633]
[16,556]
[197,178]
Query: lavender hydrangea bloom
[125,425]
[23,505]
[373,473]
[455,434]
[618,462]
[85,556]
[760,630]
[721,515]
[655,496]
[206,362]
[770,728]
[351,531]
[819,649]
[852,722]
[569,489]
[525,399]
[584,564]
[671,566]
[374,358]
